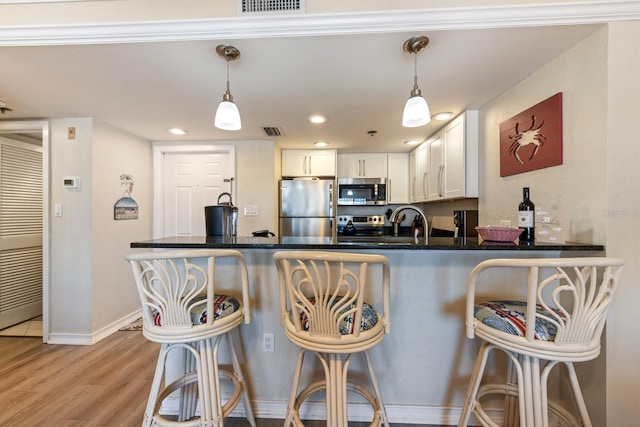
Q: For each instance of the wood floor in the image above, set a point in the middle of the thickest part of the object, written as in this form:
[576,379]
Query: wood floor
[105,384]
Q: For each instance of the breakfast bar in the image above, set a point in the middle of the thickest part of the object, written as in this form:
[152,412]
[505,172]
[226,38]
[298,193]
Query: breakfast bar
[425,363]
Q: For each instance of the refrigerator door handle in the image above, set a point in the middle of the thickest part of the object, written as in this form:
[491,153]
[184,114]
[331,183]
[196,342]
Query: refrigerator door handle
[331,200]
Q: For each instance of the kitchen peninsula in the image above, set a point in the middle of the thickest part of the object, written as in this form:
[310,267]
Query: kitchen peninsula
[346,243]
[425,363]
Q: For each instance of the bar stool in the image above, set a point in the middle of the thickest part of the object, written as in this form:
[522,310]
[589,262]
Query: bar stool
[322,310]
[181,310]
[569,298]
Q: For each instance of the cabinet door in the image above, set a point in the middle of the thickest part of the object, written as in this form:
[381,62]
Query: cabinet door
[349,166]
[374,165]
[454,177]
[436,167]
[365,165]
[322,163]
[294,162]
[398,178]
[413,177]
[308,163]
[422,173]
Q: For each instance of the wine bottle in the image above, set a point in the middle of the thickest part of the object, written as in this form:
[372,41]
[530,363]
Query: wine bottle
[526,218]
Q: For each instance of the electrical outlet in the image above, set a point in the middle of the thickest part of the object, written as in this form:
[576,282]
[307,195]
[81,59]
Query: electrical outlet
[505,223]
[268,342]
[251,210]
[71,133]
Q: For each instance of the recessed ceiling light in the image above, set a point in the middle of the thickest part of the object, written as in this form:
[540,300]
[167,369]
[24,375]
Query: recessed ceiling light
[443,116]
[177,131]
[412,142]
[320,144]
[317,119]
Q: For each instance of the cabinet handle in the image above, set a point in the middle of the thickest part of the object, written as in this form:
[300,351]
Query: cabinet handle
[364,167]
[310,165]
[424,186]
[440,181]
[304,165]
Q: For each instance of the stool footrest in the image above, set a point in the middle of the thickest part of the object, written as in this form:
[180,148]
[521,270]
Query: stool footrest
[565,418]
[321,385]
[192,378]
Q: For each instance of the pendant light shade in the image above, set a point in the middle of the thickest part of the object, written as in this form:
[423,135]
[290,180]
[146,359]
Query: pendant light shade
[416,111]
[227,114]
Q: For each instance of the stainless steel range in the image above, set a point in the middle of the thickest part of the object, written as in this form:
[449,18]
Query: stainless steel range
[361,225]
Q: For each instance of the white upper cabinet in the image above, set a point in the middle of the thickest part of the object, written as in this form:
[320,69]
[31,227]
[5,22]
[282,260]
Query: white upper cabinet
[398,178]
[436,167]
[309,163]
[419,174]
[413,173]
[446,165]
[362,165]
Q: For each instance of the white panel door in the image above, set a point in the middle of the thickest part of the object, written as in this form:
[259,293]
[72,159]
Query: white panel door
[21,195]
[191,182]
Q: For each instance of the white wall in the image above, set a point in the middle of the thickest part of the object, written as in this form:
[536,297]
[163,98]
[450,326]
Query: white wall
[622,221]
[576,190]
[255,180]
[90,283]
[71,258]
[116,153]
[145,10]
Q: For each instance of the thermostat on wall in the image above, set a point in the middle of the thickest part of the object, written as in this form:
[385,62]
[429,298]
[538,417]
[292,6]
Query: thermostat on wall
[70,182]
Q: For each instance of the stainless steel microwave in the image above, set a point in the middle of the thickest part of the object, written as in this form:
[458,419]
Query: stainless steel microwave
[362,191]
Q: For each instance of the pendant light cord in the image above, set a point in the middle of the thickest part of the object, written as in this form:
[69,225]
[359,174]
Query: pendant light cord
[415,71]
[228,91]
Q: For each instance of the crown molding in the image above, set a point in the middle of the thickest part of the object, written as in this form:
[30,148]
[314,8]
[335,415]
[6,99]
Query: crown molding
[590,12]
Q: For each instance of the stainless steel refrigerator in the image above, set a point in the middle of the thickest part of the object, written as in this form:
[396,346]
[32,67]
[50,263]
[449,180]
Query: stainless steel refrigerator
[307,207]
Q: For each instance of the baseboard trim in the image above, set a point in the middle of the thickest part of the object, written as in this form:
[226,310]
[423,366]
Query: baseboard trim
[358,412]
[90,339]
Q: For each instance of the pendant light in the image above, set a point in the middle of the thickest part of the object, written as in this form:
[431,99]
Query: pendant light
[416,111]
[227,115]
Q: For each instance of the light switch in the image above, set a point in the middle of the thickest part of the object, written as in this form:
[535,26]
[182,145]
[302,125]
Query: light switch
[57,208]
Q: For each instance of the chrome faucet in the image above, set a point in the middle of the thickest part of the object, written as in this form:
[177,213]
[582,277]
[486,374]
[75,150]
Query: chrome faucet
[394,215]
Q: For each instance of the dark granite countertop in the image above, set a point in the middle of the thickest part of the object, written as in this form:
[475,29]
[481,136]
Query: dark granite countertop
[344,243]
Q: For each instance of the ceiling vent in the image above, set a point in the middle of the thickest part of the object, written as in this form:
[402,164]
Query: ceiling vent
[271,6]
[272,131]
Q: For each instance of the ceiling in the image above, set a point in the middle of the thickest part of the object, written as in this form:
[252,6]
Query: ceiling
[360,82]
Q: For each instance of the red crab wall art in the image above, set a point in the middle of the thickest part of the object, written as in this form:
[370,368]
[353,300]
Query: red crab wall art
[532,139]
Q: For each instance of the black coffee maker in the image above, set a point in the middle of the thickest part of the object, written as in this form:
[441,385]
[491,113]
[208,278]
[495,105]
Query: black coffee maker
[465,223]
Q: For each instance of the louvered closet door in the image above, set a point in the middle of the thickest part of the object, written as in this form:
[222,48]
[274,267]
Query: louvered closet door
[20,231]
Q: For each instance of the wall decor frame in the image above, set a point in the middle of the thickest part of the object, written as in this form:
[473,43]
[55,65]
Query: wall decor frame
[532,139]
[126,207]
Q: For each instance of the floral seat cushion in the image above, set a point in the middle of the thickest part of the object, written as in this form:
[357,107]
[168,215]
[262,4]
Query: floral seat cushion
[369,318]
[223,305]
[510,317]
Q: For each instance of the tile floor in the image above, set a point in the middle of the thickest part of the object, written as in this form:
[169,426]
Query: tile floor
[30,328]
